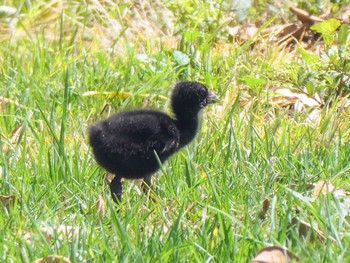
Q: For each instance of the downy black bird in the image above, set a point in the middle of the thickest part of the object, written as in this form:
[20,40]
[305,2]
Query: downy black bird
[130,144]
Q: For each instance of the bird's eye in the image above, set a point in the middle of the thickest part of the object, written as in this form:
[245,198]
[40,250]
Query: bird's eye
[202,92]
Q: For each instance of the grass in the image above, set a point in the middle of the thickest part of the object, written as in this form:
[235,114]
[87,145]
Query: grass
[209,197]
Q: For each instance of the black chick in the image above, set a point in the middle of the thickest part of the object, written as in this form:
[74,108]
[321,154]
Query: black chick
[130,144]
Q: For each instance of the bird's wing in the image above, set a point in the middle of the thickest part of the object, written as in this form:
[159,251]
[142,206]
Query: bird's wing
[170,145]
[143,132]
[171,138]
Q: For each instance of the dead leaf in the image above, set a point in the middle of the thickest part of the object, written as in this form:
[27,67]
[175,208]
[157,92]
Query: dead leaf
[15,133]
[274,254]
[242,33]
[265,208]
[301,100]
[308,101]
[233,31]
[13,137]
[4,101]
[305,17]
[323,187]
[7,200]
[286,93]
[53,259]
[291,30]
[101,206]
[340,193]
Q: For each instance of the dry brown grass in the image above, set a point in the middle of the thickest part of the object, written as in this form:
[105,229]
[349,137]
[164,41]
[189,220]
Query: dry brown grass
[101,24]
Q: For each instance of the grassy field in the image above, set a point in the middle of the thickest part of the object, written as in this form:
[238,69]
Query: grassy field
[248,181]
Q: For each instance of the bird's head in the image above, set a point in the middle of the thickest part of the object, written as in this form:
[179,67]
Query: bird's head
[191,97]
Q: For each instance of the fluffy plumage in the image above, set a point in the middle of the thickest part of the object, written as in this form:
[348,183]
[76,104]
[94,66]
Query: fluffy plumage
[126,144]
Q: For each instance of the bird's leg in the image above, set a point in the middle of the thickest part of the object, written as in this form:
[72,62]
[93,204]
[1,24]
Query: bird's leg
[116,189]
[146,184]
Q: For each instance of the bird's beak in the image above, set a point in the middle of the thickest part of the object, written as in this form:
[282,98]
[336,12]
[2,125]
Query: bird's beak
[212,98]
